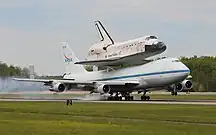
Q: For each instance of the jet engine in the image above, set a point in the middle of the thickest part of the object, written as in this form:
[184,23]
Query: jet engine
[103,88]
[187,84]
[179,87]
[57,87]
[184,85]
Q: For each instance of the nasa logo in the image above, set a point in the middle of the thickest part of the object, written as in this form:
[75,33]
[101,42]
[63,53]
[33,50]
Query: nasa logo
[68,58]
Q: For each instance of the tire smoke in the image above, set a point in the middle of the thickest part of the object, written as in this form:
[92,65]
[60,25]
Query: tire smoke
[10,85]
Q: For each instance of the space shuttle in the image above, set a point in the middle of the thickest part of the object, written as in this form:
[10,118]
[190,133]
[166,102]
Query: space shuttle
[108,52]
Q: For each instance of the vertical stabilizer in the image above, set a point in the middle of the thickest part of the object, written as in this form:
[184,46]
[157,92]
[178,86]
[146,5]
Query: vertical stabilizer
[69,60]
[103,34]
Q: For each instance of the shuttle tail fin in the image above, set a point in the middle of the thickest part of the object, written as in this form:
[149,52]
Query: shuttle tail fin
[103,34]
[70,59]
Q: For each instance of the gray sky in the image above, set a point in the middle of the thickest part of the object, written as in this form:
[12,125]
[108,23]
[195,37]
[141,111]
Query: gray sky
[31,30]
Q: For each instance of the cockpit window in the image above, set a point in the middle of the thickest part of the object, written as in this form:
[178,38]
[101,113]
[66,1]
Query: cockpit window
[151,37]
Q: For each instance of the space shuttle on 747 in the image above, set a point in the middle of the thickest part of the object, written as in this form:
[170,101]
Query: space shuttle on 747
[109,53]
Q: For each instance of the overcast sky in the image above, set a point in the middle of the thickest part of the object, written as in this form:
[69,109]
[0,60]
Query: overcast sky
[31,30]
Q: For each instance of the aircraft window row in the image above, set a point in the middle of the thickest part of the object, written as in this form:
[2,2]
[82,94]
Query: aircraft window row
[130,45]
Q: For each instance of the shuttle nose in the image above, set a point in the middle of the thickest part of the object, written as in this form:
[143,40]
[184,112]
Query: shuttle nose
[156,46]
[159,44]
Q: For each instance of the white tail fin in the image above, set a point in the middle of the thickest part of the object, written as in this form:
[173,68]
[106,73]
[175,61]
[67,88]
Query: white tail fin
[70,59]
[103,34]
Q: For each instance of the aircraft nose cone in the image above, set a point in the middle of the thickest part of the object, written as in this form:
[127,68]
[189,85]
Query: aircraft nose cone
[159,44]
[156,46]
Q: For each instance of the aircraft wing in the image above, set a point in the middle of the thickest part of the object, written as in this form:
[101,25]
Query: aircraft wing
[115,61]
[65,81]
[32,80]
[98,62]
[71,81]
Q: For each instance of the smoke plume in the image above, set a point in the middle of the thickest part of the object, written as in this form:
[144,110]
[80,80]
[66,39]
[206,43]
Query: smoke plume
[9,85]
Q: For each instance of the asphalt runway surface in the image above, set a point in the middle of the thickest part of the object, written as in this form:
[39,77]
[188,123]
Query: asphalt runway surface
[98,99]
[159,101]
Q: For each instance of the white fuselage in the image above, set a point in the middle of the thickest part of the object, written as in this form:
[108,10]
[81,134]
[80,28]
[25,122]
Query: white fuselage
[153,74]
[127,48]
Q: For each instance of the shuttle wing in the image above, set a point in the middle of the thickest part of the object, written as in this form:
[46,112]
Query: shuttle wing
[100,62]
[132,59]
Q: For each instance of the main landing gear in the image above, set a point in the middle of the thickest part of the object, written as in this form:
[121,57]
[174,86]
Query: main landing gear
[174,93]
[144,97]
[119,97]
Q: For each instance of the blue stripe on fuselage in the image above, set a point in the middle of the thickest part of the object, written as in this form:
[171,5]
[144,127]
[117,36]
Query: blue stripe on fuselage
[145,74]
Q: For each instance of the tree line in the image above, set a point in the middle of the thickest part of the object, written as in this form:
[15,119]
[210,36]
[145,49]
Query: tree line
[10,70]
[203,71]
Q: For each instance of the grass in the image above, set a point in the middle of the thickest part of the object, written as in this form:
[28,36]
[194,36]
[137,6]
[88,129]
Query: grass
[42,118]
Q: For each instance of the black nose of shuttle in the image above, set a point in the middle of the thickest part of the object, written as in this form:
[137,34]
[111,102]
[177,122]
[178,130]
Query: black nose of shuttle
[155,47]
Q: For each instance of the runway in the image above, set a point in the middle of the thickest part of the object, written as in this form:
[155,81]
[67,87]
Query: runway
[160,101]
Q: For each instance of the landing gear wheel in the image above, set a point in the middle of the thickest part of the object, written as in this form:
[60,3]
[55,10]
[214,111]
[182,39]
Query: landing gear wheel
[142,98]
[111,98]
[174,93]
[131,98]
[145,98]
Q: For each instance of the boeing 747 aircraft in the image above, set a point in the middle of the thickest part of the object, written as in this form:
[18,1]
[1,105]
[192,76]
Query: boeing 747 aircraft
[109,53]
[168,72]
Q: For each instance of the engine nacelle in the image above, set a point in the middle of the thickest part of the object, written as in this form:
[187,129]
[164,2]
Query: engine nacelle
[184,85]
[57,87]
[103,88]
[187,84]
[179,87]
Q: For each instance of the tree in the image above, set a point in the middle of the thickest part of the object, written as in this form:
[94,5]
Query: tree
[6,71]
